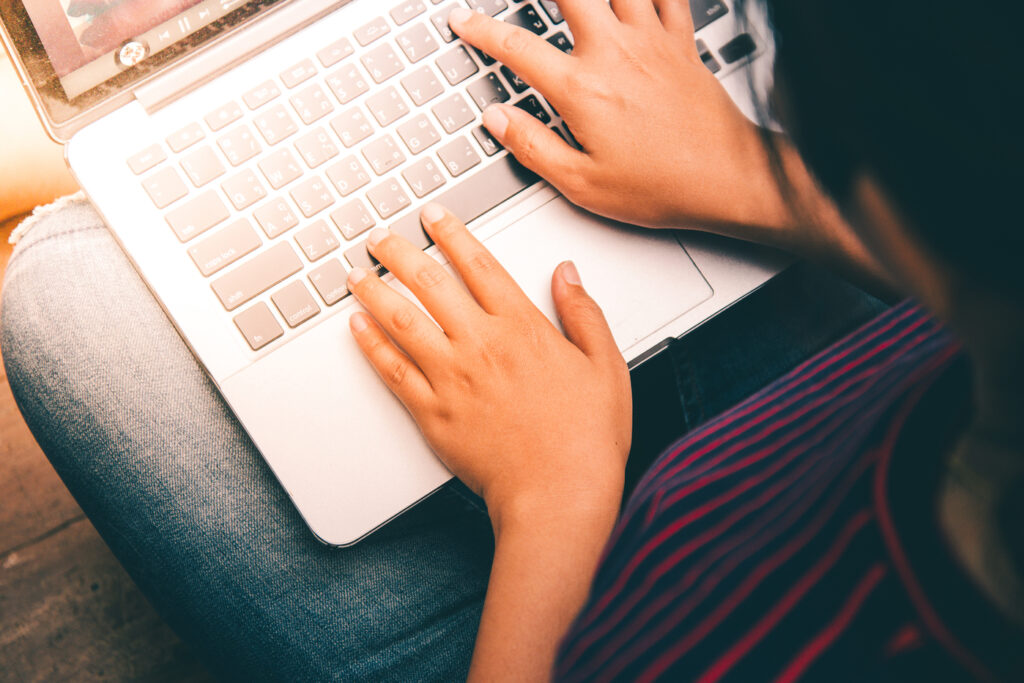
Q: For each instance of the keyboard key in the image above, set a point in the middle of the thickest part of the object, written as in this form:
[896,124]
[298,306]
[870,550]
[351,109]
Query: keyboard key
[257,275]
[300,73]
[261,94]
[351,127]
[488,144]
[202,166]
[407,11]
[335,52]
[706,11]
[146,159]
[275,124]
[458,156]
[295,303]
[353,219]
[453,113]
[739,47]
[387,106]
[311,104]
[330,281]
[552,10]
[528,18]
[562,42]
[239,145]
[223,116]
[487,90]
[383,154]
[312,196]
[423,177]
[456,66]
[258,326]
[388,198]
[518,84]
[488,7]
[382,63]
[422,85]
[417,43]
[280,168]
[165,187]
[197,216]
[348,175]
[440,22]
[347,83]
[275,217]
[224,247]
[316,240]
[316,148]
[532,106]
[485,58]
[707,57]
[418,134]
[244,189]
[185,138]
[375,30]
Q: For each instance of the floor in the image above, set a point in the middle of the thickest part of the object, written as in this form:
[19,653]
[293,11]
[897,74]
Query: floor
[68,611]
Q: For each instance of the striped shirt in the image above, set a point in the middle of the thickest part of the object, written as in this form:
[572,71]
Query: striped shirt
[794,537]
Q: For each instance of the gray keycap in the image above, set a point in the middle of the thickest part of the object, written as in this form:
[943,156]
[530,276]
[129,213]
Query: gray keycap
[423,177]
[257,275]
[316,240]
[488,7]
[382,63]
[198,215]
[348,175]
[224,247]
[388,198]
[311,104]
[261,94]
[487,91]
[335,52]
[440,22]
[185,138]
[417,43]
[223,116]
[453,113]
[280,168]
[330,281]
[407,11]
[347,83]
[383,154]
[458,156]
[275,124]
[202,166]
[244,189]
[351,127]
[258,326]
[295,303]
[387,106]
[146,159]
[422,85]
[418,134]
[353,219]
[275,217]
[239,145]
[299,73]
[165,187]
[457,65]
[312,196]
[316,147]
[372,31]
[553,11]
[487,143]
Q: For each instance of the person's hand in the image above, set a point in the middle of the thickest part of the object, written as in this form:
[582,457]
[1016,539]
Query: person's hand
[663,144]
[533,421]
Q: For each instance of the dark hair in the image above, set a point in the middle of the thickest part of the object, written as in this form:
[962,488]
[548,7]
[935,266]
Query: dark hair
[925,98]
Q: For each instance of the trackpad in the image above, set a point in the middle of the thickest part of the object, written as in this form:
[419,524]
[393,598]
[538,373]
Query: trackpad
[642,279]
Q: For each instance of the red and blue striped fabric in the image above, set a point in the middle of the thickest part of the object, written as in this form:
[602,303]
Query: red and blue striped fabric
[761,546]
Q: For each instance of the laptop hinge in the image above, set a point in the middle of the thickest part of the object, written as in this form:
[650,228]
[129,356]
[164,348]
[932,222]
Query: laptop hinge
[232,49]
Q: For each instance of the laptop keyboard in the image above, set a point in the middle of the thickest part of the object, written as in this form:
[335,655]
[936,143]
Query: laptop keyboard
[272,192]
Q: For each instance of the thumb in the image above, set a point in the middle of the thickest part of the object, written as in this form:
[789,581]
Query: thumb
[582,319]
[533,144]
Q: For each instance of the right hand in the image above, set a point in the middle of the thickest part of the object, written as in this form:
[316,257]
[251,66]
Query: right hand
[663,144]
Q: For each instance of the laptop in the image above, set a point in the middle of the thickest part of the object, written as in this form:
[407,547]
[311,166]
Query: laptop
[240,150]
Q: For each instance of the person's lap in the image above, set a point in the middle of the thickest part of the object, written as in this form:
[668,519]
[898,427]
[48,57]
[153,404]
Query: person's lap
[145,444]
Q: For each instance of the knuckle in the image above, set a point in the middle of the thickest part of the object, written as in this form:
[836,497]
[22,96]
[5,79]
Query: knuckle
[397,372]
[403,318]
[430,276]
[481,262]
[515,41]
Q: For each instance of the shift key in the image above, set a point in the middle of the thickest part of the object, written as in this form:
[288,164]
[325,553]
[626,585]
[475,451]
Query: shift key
[256,275]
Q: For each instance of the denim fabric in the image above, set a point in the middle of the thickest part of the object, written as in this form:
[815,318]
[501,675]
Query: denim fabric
[147,447]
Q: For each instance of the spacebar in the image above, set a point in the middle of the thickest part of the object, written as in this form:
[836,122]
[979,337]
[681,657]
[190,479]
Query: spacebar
[468,200]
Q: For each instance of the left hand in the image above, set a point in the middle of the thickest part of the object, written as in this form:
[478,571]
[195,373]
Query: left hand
[535,422]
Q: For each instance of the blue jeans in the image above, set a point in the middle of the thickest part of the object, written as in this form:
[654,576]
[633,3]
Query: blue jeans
[145,444]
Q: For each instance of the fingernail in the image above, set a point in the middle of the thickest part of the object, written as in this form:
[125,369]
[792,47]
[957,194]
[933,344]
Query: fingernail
[459,15]
[496,121]
[375,236]
[355,276]
[570,274]
[432,213]
[358,323]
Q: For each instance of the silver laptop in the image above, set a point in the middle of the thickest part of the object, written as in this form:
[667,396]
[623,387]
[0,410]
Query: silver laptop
[240,150]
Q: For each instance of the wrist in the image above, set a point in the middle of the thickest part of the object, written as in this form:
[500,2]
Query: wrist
[588,514]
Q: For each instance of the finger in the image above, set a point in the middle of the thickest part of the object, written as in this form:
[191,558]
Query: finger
[582,319]
[587,17]
[485,278]
[405,323]
[675,16]
[399,373]
[636,12]
[440,293]
[536,146]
